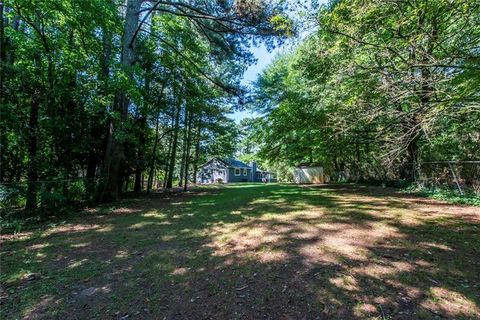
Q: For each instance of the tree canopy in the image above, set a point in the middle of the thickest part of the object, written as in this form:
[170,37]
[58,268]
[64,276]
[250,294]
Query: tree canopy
[378,88]
[99,96]
[105,96]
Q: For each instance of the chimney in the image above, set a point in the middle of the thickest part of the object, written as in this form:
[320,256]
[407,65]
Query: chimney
[253,165]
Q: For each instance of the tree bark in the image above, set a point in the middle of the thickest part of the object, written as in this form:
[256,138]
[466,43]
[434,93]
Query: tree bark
[187,153]
[91,171]
[184,147]
[197,150]
[155,146]
[139,168]
[169,151]
[2,67]
[140,161]
[115,150]
[173,154]
[154,156]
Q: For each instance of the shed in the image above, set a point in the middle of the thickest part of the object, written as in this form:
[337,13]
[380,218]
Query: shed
[309,173]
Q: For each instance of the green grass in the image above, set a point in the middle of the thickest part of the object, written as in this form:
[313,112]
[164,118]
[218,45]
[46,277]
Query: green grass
[250,251]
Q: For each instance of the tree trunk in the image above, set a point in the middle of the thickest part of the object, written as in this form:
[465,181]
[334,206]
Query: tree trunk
[154,155]
[155,146]
[169,151]
[137,187]
[115,150]
[140,163]
[187,153]
[184,146]
[97,131]
[167,163]
[173,154]
[358,160]
[32,175]
[91,170]
[3,141]
[197,150]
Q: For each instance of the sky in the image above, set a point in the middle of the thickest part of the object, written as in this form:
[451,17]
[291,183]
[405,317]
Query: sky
[263,60]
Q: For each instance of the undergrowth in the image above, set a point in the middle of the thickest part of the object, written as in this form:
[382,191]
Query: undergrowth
[446,194]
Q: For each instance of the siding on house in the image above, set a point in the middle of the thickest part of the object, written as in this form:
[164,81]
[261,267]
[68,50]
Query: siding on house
[224,170]
[213,171]
[241,177]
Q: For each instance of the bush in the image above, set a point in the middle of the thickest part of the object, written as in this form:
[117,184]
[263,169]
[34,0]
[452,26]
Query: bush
[12,196]
[76,191]
[10,226]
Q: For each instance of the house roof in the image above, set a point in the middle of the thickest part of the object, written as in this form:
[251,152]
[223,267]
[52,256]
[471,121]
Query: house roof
[237,163]
[234,163]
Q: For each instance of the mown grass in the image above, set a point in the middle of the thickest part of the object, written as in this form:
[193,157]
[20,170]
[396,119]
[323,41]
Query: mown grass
[251,251]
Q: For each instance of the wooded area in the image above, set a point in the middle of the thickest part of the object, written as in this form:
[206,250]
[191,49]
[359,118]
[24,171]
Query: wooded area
[110,108]
[383,91]
[103,97]
[99,96]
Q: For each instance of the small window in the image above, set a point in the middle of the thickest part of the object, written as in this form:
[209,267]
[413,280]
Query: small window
[237,172]
[245,172]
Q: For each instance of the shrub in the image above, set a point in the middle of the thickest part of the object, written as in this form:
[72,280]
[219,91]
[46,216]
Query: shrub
[12,196]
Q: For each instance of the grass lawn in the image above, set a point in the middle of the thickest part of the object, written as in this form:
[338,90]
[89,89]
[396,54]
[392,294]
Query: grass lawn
[251,251]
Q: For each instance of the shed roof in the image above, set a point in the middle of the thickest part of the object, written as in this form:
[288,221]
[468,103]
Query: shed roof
[309,165]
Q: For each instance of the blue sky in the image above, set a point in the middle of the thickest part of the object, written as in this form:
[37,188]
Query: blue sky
[263,60]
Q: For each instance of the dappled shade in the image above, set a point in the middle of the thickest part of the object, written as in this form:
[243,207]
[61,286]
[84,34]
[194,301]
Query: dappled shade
[252,251]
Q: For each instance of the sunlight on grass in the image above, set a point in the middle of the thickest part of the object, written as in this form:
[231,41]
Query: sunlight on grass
[80,245]
[451,303]
[76,264]
[337,252]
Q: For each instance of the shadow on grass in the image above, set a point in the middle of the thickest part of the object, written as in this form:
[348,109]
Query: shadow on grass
[249,251]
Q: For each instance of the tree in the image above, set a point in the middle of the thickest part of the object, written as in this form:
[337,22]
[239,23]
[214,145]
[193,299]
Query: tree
[90,91]
[370,92]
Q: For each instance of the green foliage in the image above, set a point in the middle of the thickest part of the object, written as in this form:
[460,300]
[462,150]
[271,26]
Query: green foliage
[449,195]
[13,226]
[378,86]
[95,92]
[12,196]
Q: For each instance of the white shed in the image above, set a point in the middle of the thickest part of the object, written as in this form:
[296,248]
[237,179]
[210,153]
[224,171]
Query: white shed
[310,173]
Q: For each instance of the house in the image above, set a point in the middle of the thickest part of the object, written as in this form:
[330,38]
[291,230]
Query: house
[309,173]
[232,170]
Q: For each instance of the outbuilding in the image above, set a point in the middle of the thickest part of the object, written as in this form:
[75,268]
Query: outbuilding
[309,173]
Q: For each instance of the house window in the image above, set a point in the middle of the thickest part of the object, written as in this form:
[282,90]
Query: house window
[237,172]
[245,172]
